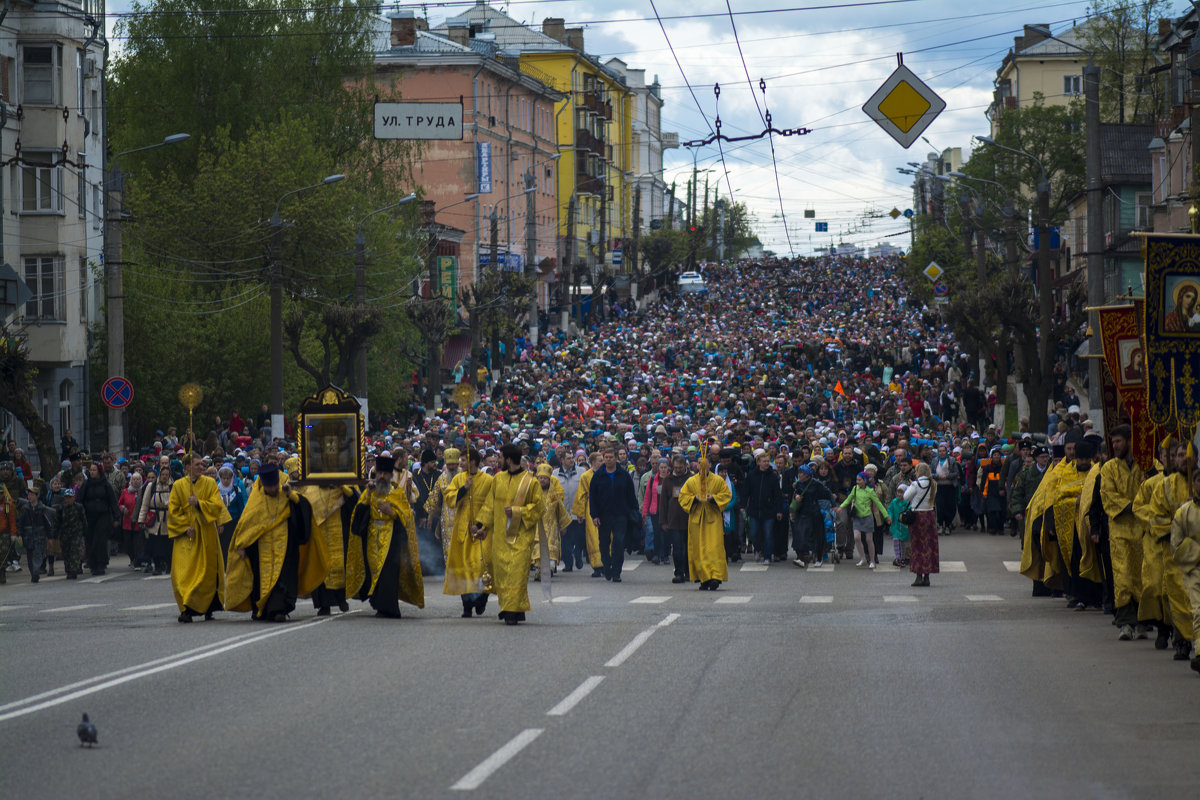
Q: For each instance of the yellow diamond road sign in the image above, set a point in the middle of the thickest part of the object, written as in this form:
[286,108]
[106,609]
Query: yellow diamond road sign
[895,212]
[904,106]
[933,271]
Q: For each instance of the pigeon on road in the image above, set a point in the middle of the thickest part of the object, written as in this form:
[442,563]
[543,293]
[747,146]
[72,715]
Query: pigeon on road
[86,732]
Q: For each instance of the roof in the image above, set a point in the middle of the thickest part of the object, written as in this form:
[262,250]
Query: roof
[1124,153]
[1050,48]
[510,34]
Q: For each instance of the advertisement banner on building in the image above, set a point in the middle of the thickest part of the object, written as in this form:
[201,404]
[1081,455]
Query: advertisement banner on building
[483,161]
[447,267]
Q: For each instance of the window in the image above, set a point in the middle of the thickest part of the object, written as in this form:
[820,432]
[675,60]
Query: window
[41,182]
[43,276]
[81,91]
[97,208]
[1142,211]
[83,291]
[41,74]
[64,406]
[1072,84]
[81,175]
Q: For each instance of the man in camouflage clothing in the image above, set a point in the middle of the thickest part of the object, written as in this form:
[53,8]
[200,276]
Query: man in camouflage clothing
[72,523]
[1027,482]
[35,523]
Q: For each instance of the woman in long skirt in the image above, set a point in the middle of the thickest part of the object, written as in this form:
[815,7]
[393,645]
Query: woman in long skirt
[922,534]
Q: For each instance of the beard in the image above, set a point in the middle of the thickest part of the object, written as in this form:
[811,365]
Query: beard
[384,485]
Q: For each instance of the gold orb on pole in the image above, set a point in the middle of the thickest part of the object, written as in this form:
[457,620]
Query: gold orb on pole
[191,395]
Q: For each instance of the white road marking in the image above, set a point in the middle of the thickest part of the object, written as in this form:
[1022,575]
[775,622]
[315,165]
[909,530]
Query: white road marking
[639,640]
[630,566]
[157,578]
[570,598]
[572,700]
[100,578]
[12,608]
[753,568]
[816,598]
[71,608]
[899,598]
[985,598]
[151,607]
[650,599]
[1012,566]
[734,598]
[475,778]
[65,694]
[952,566]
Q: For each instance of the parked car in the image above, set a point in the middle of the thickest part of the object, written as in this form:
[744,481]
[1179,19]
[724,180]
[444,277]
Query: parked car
[691,282]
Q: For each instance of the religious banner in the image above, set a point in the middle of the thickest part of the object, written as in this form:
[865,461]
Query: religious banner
[1172,313]
[1124,373]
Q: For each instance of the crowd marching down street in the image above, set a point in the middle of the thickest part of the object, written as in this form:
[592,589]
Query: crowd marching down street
[799,413]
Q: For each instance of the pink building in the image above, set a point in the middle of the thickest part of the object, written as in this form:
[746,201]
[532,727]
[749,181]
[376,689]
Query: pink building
[508,141]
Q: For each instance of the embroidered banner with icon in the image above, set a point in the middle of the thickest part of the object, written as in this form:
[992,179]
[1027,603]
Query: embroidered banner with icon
[1172,330]
[1124,388]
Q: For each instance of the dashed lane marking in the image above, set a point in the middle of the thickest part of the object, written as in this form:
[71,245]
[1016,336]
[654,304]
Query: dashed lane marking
[1012,566]
[157,578]
[79,607]
[475,778]
[573,699]
[816,598]
[952,566]
[151,607]
[734,599]
[754,568]
[630,566]
[899,598]
[571,598]
[12,608]
[650,599]
[985,598]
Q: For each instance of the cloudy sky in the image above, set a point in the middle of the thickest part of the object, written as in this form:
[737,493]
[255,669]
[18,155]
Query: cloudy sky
[821,60]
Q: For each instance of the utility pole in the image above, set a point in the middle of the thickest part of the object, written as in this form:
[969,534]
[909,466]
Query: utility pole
[964,207]
[494,246]
[116,302]
[721,241]
[360,300]
[277,430]
[1095,232]
[1045,281]
[671,209]
[1010,238]
[568,267]
[531,270]
[637,232]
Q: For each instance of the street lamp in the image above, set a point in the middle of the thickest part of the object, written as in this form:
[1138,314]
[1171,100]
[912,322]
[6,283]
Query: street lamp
[360,296]
[1044,287]
[277,429]
[116,290]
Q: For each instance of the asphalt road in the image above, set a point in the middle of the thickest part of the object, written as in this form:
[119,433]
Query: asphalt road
[831,683]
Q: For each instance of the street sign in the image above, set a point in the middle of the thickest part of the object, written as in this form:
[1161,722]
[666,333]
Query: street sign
[933,271]
[908,213]
[822,227]
[895,212]
[117,392]
[616,258]
[904,106]
[941,289]
[941,301]
[418,121]
[13,291]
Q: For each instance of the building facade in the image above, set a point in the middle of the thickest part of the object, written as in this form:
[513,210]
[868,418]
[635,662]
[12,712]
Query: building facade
[649,142]
[52,226]
[1037,65]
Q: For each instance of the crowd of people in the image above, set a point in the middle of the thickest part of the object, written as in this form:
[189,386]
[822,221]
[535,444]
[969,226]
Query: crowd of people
[801,411]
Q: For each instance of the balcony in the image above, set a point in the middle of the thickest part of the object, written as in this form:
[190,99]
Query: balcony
[585,141]
[594,104]
[586,184]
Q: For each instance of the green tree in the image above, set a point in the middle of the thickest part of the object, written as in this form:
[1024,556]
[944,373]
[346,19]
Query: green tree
[1123,37]
[661,249]
[17,376]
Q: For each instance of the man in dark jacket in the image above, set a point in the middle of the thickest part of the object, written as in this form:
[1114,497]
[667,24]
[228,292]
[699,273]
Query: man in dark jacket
[763,503]
[612,502]
[672,517]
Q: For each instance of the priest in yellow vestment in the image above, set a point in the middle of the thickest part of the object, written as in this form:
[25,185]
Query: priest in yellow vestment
[270,563]
[465,507]
[704,497]
[331,510]
[547,541]
[441,516]
[580,508]
[383,564]
[194,512]
[515,507]
[1120,478]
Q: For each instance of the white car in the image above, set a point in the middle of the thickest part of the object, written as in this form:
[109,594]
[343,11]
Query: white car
[691,282]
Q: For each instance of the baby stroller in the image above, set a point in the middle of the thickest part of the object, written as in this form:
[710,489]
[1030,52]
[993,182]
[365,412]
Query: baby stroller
[832,535]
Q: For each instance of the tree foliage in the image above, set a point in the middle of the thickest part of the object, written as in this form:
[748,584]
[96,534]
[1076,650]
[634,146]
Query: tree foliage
[275,99]
[17,381]
[1123,36]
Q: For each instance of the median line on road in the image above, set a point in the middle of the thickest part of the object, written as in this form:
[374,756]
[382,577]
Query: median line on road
[151,607]
[141,671]
[475,778]
[639,640]
[79,607]
[574,698]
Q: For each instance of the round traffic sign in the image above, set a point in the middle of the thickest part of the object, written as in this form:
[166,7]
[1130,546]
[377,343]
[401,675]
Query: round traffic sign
[941,289]
[117,392]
